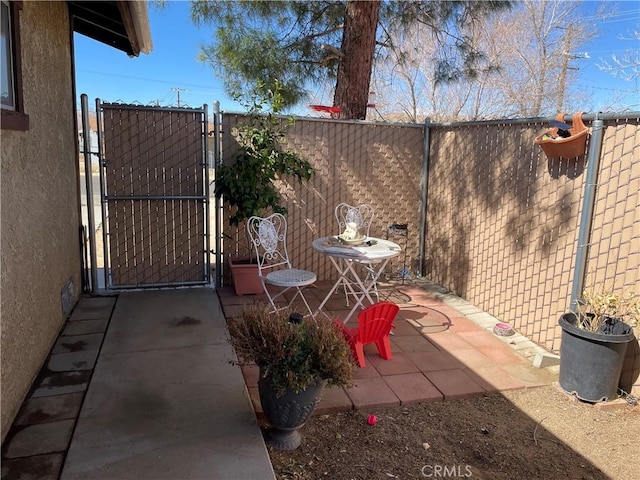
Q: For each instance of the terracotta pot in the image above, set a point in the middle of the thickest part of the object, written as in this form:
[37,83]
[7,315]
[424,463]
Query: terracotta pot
[245,276]
[570,147]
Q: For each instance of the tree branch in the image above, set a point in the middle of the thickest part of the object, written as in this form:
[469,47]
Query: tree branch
[334,52]
[322,34]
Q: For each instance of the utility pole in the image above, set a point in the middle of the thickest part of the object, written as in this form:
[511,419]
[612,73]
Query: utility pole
[178,90]
[566,56]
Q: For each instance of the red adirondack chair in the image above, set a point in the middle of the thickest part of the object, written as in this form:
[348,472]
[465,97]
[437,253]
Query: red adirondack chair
[374,325]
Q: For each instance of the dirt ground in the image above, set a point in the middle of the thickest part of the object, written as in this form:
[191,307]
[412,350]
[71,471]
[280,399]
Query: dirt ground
[526,435]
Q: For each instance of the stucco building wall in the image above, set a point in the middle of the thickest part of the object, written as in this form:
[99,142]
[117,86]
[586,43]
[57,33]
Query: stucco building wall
[39,205]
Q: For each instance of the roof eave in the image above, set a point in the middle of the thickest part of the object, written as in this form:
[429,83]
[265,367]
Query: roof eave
[121,24]
[136,22]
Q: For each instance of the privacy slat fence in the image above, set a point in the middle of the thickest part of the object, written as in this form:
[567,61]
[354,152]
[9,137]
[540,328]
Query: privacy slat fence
[502,223]
[502,220]
[155,199]
[355,163]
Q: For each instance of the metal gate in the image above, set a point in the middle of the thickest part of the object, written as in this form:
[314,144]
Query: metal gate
[154,191]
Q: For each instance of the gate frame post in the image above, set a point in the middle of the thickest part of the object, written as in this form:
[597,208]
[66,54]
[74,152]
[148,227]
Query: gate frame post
[88,177]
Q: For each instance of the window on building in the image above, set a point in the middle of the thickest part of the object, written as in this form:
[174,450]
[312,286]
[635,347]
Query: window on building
[7,60]
[13,115]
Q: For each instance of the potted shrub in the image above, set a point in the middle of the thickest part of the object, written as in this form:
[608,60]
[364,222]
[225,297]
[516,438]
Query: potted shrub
[247,181]
[296,360]
[595,338]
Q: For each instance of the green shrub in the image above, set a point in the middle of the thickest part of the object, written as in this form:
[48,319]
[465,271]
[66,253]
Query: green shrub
[294,355]
[247,183]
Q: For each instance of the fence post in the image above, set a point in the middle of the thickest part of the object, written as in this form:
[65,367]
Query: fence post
[586,216]
[207,206]
[88,178]
[423,198]
[217,203]
[103,204]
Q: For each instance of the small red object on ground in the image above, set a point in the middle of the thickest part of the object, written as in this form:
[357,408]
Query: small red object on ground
[371,419]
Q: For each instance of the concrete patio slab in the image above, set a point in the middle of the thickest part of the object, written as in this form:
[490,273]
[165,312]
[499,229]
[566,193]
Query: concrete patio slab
[404,328]
[471,358]
[41,438]
[495,379]
[84,327]
[93,308]
[68,362]
[369,371]
[413,343]
[165,401]
[372,392]
[61,383]
[398,364]
[78,343]
[165,319]
[413,388]
[40,467]
[334,399]
[448,340]
[437,360]
[47,409]
[455,383]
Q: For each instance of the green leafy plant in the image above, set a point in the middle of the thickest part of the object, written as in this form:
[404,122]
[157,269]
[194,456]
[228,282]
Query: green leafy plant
[295,355]
[248,182]
[596,310]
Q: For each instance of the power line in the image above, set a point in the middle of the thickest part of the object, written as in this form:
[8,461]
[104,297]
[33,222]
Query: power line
[594,87]
[617,21]
[108,74]
[628,13]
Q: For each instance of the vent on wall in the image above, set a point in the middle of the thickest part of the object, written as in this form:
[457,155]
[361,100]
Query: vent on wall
[67,297]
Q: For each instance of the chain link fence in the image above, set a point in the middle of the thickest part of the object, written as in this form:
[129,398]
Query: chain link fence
[502,219]
[354,163]
[155,205]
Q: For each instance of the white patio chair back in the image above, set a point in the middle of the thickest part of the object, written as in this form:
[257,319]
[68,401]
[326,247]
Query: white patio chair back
[362,215]
[269,238]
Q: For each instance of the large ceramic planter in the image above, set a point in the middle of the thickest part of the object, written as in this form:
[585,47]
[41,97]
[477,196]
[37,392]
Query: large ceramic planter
[245,276]
[591,362]
[287,413]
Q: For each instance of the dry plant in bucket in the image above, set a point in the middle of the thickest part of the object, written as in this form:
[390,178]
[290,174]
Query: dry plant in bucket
[603,311]
[295,355]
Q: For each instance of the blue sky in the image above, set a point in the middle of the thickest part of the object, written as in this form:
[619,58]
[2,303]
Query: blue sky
[172,66]
[620,24]
[109,74]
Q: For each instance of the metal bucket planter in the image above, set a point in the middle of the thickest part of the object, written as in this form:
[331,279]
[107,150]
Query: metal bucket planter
[287,413]
[591,362]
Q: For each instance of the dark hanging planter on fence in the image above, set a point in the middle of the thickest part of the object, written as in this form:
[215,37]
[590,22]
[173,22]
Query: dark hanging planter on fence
[562,142]
[591,362]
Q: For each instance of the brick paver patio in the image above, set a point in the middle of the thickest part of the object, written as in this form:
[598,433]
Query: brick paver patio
[438,353]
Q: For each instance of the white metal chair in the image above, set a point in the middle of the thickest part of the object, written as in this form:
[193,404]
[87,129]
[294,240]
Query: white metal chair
[269,238]
[362,215]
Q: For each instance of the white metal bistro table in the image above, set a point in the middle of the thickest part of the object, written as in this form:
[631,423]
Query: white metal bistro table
[375,251]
